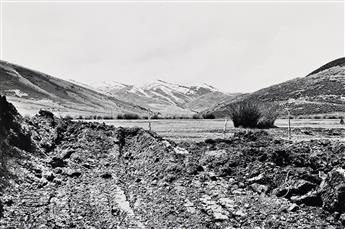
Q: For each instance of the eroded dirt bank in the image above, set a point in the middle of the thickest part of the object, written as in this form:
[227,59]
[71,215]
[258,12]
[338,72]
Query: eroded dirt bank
[63,174]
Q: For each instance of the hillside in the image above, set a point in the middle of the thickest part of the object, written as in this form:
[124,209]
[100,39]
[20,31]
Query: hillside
[31,90]
[165,97]
[321,92]
[210,99]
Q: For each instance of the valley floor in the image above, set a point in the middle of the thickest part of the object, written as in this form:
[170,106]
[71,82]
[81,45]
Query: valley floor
[201,129]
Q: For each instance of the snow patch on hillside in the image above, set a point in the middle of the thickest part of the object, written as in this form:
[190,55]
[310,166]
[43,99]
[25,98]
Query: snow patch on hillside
[18,93]
[11,71]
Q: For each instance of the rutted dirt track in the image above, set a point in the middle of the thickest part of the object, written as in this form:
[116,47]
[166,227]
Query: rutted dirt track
[64,174]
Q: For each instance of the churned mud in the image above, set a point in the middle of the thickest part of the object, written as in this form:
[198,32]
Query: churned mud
[64,174]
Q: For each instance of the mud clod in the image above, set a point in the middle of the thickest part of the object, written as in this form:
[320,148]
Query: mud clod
[106,176]
[57,162]
[46,114]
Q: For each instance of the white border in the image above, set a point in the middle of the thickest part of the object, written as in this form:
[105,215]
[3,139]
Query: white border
[173,1]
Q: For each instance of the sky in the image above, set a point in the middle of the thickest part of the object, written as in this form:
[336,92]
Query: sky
[234,46]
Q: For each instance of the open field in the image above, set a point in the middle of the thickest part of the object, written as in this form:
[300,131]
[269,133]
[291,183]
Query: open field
[199,130]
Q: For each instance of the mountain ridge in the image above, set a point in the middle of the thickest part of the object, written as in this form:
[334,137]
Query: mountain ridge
[166,97]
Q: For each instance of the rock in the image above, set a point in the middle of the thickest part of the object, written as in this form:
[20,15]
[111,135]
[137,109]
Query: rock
[49,176]
[1,210]
[46,114]
[106,176]
[194,169]
[332,191]
[38,173]
[330,227]
[311,199]
[8,202]
[259,188]
[87,165]
[255,179]
[215,153]
[73,173]
[115,211]
[212,176]
[241,185]
[180,150]
[214,209]
[227,203]
[58,170]
[240,213]
[190,206]
[220,216]
[342,219]
[307,132]
[57,162]
[57,181]
[67,153]
[295,188]
[210,141]
[334,132]
[293,208]
[237,192]
[330,218]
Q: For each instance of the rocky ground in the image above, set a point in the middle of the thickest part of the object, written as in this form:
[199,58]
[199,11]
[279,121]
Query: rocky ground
[62,174]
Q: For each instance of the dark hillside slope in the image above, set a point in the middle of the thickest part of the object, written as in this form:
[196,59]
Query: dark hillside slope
[318,93]
[338,62]
[31,90]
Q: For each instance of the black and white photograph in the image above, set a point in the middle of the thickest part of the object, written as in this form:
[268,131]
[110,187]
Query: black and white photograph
[172,114]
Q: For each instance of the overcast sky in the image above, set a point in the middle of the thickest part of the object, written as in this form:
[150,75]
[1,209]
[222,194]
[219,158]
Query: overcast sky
[236,47]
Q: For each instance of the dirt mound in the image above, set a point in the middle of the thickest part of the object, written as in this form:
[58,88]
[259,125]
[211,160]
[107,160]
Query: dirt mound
[167,182]
[11,131]
[80,174]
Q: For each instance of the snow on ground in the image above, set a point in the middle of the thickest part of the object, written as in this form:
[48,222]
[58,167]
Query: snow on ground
[18,93]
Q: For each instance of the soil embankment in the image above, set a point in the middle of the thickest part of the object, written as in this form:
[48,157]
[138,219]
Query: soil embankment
[88,175]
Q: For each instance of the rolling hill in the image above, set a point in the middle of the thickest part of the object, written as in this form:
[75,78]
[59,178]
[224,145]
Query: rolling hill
[31,90]
[320,92]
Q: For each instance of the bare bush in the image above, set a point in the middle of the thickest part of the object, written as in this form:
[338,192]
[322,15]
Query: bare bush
[196,116]
[268,117]
[130,116]
[208,116]
[250,115]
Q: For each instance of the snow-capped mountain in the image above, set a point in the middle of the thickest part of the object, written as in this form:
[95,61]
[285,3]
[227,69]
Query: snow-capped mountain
[164,97]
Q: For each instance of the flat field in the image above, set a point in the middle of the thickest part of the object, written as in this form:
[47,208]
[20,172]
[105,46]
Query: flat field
[201,129]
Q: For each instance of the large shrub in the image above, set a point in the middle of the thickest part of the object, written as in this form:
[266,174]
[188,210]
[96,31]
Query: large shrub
[208,116]
[130,116]
[196,116]
[250,115]
[245,115]
[268,117]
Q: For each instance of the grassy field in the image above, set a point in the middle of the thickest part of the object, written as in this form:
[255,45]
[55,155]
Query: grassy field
[200,129]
